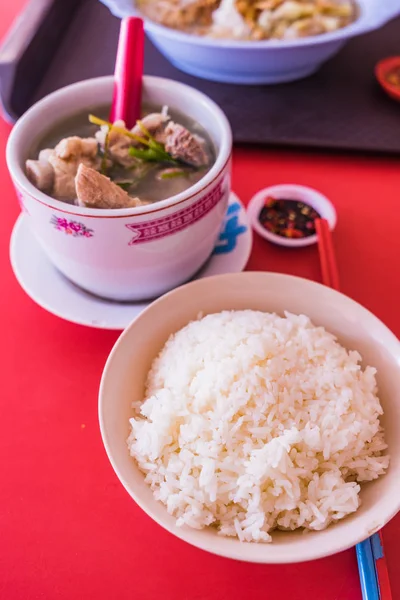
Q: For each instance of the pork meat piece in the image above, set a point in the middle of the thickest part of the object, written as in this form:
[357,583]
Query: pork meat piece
[97,191]
[71,148]
[186,146]
[155,124]
[65,160]
[118,144]
[54,171]
[40,172]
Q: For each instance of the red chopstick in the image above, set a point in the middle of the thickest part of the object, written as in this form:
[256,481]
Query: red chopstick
[330,278]
[127,96]
[381,567]
[330,274]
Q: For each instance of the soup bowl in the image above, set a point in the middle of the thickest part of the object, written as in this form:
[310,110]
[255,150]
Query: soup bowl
[257,62]
[126,369]
[132,253]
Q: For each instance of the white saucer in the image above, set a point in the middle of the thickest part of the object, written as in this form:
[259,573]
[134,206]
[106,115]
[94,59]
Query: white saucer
[56,294]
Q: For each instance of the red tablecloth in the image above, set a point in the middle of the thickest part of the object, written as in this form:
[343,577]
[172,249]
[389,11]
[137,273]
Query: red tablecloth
[67,527]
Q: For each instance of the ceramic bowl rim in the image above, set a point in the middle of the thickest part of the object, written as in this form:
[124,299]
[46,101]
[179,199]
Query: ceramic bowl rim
[17,137]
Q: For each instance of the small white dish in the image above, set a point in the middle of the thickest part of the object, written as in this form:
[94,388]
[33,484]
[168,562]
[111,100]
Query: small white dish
[55,293]
[290,191]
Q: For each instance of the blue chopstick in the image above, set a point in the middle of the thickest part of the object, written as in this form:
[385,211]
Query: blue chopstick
[367,571]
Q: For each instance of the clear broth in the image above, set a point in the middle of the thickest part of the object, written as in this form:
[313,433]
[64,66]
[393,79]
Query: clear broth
[148,187]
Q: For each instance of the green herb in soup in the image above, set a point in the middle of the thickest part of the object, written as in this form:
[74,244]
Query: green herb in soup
[91,162]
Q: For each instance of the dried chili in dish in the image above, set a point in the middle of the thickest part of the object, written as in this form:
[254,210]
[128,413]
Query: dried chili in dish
[393,76]
[288,218]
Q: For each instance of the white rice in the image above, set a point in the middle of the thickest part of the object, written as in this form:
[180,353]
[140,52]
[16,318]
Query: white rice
[253,422]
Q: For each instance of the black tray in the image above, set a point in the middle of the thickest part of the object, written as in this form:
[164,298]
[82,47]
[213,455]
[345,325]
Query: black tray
[55,43]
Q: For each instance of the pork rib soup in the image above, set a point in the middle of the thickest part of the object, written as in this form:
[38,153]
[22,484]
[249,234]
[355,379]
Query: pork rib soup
[90,162]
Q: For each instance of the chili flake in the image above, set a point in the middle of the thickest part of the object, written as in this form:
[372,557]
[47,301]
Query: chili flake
[288,218]
[393,77]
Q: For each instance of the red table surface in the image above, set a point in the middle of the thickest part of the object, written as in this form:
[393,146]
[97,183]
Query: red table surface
[67,527]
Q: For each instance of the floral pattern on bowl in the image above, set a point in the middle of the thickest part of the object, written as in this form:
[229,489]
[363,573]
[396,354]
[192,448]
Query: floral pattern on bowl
[71,227]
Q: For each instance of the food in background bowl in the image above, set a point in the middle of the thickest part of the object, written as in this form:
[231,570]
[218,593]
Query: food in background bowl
[252,19]
[104,165]
[252,61]
[253,422]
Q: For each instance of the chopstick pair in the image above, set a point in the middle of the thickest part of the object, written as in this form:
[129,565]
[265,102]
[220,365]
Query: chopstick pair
[374,576]
[330,274]
[372,566]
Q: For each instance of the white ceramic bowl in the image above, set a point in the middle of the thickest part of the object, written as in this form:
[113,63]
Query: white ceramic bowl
[135,253]
[290,191]
[261,62]
[126,369]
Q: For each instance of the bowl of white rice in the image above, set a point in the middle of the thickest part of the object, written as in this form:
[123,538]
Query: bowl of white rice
[257,416]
